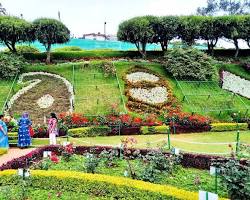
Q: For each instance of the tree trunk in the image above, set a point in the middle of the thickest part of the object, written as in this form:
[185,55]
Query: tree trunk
[236,47]
[164,46]
[209,48]
[48,54]
[144,53]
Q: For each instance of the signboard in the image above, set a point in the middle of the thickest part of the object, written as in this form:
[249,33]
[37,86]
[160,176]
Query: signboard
[204,195]
[47,154]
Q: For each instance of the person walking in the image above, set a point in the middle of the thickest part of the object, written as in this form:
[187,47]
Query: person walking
[24,139]
[52,128]
[4,143]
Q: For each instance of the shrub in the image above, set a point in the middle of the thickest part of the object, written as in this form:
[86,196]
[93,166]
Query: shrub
[228,127]
[190,64]
[10,65]
[69,48]
[154,129]
[3,151]
[100,185]
[89,131]
[91,163]
[25,49]
[187,123]
[236,177]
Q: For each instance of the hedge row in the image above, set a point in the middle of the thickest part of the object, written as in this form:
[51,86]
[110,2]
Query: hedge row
[3,151]
[99,185]
[145,130]
[118,54]
[219,127]
[91,131]
[199,161]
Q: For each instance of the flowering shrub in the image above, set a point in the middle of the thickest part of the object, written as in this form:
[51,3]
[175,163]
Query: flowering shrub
[185,122]
[235,84]
[67,152]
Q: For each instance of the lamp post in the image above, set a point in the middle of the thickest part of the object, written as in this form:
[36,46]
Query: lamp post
[238,134]
[105,23]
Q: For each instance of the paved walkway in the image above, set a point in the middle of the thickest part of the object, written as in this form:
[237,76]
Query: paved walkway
[14,153]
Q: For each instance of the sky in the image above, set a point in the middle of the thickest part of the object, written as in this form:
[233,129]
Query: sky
[88,16]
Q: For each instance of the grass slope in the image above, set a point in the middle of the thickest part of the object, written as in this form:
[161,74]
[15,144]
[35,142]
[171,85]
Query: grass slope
[188,142]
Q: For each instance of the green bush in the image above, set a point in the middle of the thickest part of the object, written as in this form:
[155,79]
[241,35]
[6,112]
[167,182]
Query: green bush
[89,131]
[66,49]
[24,49]
[3,151]
[99,185]
[219,127]
[190,64]
[145,130]
[10,65]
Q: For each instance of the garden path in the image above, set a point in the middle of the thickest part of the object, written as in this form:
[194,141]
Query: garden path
[14,153]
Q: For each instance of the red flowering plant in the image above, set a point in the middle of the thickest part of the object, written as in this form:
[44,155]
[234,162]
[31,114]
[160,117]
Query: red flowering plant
[67,152]
[73,120]
[152,120]
[54,158]
[185,122]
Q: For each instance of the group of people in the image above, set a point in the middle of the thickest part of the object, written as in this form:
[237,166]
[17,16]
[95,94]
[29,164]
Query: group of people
[25,131]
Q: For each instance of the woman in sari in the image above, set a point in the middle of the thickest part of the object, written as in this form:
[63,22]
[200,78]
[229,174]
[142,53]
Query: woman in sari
[24,123]
[52,129]
[3,134]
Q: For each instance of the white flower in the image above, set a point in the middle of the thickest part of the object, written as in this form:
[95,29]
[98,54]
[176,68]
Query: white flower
[34,82]
[153,96]
[45,101]
[236,84]
[141,76]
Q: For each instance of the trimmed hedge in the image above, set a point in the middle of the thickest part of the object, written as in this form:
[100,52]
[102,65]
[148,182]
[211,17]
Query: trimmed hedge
[99,185]
[219,127]
[3,151]
[91,131]
[118,54]
[145,130]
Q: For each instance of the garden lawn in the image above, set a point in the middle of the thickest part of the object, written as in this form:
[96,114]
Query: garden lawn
[184,178]
[195,142]
[4,91]
[197,102]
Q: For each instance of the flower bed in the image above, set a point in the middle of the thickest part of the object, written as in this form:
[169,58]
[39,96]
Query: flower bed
[199,161]
[109,186]
[148,93]
[180,122]
[235,84]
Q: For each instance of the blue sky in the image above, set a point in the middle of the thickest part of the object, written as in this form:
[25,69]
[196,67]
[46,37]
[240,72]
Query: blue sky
[87,16]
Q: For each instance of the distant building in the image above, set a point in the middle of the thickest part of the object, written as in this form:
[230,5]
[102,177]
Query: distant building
[97,36]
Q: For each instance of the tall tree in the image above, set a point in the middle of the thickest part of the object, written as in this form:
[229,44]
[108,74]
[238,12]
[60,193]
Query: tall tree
[2,10]
[228,7]
[232,27]
[50,31]
[165,30]
[138,31]
[210,30]
[14,30]
[189,29]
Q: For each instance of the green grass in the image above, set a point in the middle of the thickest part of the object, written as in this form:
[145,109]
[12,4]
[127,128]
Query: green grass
[187,142]
[4,91]
[7,192]
[236,69]
[103,92]
[183,178]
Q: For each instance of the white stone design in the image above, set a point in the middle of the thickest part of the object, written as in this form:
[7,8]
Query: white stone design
[45,101]
[36,81]
[236,84]
[154,95]
[141,76]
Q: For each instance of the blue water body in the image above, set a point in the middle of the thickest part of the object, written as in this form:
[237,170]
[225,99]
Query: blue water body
[95,44]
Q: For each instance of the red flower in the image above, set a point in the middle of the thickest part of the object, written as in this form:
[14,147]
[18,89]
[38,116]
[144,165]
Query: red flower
[54,158]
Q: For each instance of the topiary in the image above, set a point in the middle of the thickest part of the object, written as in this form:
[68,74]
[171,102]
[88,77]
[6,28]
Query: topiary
[66,49]
[190,64]
[10,65]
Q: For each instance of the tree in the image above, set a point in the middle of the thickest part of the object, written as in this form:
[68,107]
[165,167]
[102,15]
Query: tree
[231,27]
[50,31]
[228,7]
[165,30]
[210,30]
[246,29]
[2,10]
[189,29]
[14,30]
[138,31]
[209,10]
